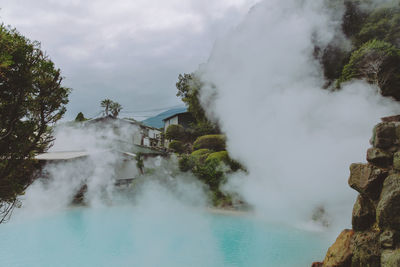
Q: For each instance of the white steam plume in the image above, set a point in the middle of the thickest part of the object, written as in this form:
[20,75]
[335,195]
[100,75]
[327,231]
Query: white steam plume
[296,139]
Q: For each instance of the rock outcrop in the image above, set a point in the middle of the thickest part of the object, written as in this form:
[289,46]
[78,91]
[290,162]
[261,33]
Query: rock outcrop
[374,240]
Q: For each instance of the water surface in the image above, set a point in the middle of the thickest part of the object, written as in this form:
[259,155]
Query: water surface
[124,236]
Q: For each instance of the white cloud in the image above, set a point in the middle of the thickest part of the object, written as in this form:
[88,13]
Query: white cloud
[124,49]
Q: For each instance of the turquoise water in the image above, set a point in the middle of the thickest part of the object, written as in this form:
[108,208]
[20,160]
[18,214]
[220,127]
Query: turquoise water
[123,236]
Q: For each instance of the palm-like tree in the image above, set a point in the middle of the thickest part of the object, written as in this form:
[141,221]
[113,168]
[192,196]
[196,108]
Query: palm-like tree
[115,108]
[106,103]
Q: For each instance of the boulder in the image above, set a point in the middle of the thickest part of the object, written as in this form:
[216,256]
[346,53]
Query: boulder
[367,179]
[388,209]
[366,249]
[390,258]
[387,239]
[384,135]
[396,161]
[379,157]
[363,214]
[317,264]
[340,253]
[391,118]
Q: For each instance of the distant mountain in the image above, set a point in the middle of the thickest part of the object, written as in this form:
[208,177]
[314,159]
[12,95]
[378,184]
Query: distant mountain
[157,121]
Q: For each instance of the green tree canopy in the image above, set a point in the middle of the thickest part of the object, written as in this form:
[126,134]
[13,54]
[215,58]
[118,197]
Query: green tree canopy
[80,117]
[115,109]
[379,63]
[382,24]
[214,142]
[32,100]
[106,105]
[110,107]
[189,86]
[175,132]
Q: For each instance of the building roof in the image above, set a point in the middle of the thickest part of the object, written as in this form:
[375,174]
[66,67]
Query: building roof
[176,114]
[62,155]
[157,120]
[111,118]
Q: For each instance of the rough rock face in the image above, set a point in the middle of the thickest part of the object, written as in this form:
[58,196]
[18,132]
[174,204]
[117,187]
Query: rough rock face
[374,239]
[388,209]
[363,214]
[367,179]
[340,253]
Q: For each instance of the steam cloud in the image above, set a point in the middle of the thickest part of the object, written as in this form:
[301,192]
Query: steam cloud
[296,139]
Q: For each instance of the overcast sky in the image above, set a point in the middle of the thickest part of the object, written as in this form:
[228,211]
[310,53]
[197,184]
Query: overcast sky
[130,51]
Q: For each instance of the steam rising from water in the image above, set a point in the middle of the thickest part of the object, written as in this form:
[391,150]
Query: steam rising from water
[296,139]
[104,143]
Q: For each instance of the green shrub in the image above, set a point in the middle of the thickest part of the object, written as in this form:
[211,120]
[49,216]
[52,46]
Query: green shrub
[186,163]
[80,117]
[177,146]
[221,156]
[201,154]
[210,173]
[175,132]
[378,62]
[214,142]
[382,24]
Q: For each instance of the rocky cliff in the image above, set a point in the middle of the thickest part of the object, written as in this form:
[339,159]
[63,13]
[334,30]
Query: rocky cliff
[374,239]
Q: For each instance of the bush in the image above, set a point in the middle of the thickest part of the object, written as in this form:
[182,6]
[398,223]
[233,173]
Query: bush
[80,117]
[382,24]
[186,163]
[175,132]
[210,173]
[201,154]
[214,142]
[177,146]
[221,156]
[378,62]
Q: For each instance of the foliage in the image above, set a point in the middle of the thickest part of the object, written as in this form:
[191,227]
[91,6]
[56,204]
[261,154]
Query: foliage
[175,132]
[382,24]
[177,146]
[202,128]
[139,162]
[32,99]
[80,117]
[110,107]
[106,105]
[189,86]
[379,63]
[214,142]
[201,154]
[186,163]
[115,109]
[353,18]
[362,22]
[222,156]
[210,173]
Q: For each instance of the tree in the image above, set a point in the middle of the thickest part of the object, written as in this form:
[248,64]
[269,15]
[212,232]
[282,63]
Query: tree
[175,132]
[378,62]
[111,107]
[106,105]
[80,117]
[115,109]
[189,86]
[32,100]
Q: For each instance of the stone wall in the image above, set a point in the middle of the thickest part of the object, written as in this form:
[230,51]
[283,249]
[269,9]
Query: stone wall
[374,237]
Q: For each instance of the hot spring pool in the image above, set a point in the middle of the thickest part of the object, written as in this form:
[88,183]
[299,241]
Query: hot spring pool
[124,236]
